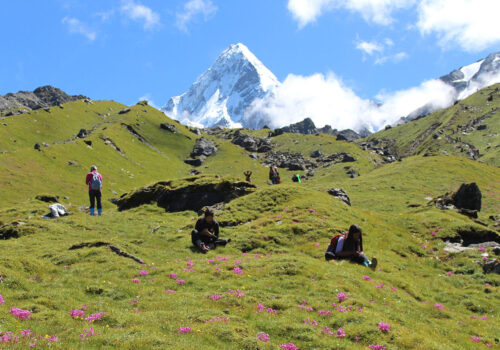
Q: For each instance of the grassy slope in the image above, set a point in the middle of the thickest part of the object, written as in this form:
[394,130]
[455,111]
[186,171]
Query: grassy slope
[475,106]
[285,241]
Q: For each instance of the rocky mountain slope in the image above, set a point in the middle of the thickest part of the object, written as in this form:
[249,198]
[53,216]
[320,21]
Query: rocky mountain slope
[42,97]
[131,279]
[220,96]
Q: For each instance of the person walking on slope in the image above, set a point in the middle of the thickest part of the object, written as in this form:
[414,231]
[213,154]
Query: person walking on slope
[205,235]
[349,246]
[94,181]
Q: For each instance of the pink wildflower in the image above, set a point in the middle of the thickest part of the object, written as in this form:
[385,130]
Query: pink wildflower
[376,347]
[183,330]
[53,338]
[143,273]
[449,273]
[237,262]
[261,307]
[26,333]
[217,319]
[384,327]
[135,280]
[263,336]
[20,313]
[190,263]
[381,285]
[484,258]
[290,346]
[487,285]
[312,210]
[168,291]
[180,282]
[439,306]
[317,244]
[271,311]
[340,333]
[433,234]
[476,339]
[77,313]
[393,288]
[481,249]
[473,317]
[236,293]
[367,278]
[189,270]
[484,318]
[173,275]
[324,312]
[217,271]
[95,317]
[237,270]
[327,331]
[215,297]
[2,301]
[341,297]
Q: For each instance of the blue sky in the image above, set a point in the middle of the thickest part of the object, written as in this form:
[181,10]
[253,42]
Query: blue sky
[124,50]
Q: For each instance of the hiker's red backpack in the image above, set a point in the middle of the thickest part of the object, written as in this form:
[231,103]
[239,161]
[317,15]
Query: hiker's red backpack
[334,241]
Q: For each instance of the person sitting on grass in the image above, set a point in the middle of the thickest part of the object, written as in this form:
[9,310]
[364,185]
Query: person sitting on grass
[349,246]
[205,235]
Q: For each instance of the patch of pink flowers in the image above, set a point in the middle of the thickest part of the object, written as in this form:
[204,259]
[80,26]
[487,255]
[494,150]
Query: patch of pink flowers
[27,333]
[327,331]
[237,293]
[168,291]
[190,263]
[2,301]
[136,280]
[340,333]
[20,313]
[341,297]
[312,210]
[439,306]
[95,317]
[367,278]
[87,333]
[215,297]
[263,336]
[237,270]
[217,271]
[173,275]
[376,347]
[481,249]
[77,313]
[180,282]
[184,330]
[476,339]
[384,327]
[143,273]
[324,312]
[381,285]
[311,322]
[289,346]
[393,288]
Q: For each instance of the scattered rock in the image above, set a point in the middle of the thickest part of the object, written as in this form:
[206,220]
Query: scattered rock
[123,111]
[47,198]
[191,193]
[316,154]
[203,147]
[195,131]
[251,143]
[37,147]
[195,161]
[469,213]
[340,194]
[492,266]
[295,161]
[467,197]
[481,127]
[194,172]
[169,127]
[353,173]
[142,103]
[88,142]
[82,134]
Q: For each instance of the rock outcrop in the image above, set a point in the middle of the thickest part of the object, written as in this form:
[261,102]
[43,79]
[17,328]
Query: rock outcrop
[192,193]
[340,194]
[251,143]
[467,197]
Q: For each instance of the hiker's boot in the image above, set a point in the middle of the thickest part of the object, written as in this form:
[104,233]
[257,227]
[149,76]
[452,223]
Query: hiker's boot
[92,211]
[99,212]
[374,263]
[203,248]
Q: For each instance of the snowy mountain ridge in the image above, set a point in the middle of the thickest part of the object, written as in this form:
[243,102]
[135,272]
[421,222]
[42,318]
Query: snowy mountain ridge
[220,96]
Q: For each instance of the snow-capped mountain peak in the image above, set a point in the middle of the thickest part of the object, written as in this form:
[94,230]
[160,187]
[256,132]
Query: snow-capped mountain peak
[220,96]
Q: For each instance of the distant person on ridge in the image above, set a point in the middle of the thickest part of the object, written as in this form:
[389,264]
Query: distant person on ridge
[94,181]
[349,246]
[274,176]
[205,235]
[248,176]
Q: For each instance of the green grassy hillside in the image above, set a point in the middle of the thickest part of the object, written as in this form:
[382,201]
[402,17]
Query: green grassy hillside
[471,124]
[271,278]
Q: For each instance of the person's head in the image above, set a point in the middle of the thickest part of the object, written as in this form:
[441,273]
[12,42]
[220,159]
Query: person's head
[209,215]
[93,167]
[355,232]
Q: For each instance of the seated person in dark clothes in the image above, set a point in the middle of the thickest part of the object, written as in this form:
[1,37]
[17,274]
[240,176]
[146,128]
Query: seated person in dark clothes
[350,246]
[205,235]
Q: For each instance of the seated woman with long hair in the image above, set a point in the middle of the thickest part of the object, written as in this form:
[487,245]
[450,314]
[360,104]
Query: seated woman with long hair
[349,246]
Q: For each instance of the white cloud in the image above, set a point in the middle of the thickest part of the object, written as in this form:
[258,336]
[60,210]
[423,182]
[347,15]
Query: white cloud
[193,8]
[396,58]
[471,24]
[327,100]
[376,11]
[75,26]
[141,13]
[369,48]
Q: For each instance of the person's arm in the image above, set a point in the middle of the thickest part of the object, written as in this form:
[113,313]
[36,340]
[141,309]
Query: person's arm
[87,179]
[216,230]
[100,176]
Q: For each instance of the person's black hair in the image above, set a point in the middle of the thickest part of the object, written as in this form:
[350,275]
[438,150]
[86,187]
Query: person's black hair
[349,243]
[209,212]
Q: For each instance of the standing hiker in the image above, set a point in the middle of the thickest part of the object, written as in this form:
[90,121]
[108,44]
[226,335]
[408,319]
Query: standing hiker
[248,175]
[94,181]
[349,246]
[274,175]
[205,235]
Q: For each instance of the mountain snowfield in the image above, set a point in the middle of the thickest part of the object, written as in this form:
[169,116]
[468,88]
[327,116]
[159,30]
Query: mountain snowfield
[221,95]
[239,91]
